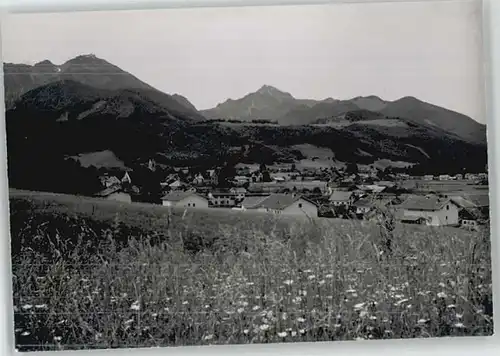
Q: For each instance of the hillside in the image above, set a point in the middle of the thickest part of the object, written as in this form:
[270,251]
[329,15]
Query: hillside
[431,115]
[89,70]
[269,103]
[79,119]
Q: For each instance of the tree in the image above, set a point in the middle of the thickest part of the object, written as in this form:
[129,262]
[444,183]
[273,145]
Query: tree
[293,168]
[262,168]
[266,177]
[351,168]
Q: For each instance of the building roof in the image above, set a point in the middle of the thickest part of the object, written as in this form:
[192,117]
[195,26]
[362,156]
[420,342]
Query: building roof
[178,196]
[340,195]
[281,201]
[427,203]
[239,190]
[108,191]
[252,202]
[412,218]
[363,203]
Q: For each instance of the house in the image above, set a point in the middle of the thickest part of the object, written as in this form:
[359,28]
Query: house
[115,192]
[239,193]
[459,176]
[340,197]
[198,179]
[152,165]
[223,200]
[363,206]
[126,178]
[444,177]
[431,210]
[428,177]
[187,199]
[109,181]
[176,184]
[284,204]
[240,180]
[469,220]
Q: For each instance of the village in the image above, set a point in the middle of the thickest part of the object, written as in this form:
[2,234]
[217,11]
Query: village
[444,200]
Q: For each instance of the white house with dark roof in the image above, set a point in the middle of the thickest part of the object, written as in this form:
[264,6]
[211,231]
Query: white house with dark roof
[284,204]
[431,210]
[340,197]
[188,199]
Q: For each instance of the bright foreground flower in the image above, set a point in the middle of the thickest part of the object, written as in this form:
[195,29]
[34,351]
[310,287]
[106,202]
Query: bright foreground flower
[288,282]
[282,334]
[135,306]
[264,327]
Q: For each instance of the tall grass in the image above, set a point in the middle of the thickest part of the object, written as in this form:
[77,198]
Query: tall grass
[106,286]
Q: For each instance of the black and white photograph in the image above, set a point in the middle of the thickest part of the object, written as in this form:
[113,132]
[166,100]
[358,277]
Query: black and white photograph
[247,175]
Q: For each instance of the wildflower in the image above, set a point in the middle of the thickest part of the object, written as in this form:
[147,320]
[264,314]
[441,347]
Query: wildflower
[329,276]
[154,315]
[282,334]
[459,316]
[284,316]
[41,306]
[185,302]
[311,277]
[255,308]
[301,320]
[303,293]
[363,313]
[135,306]
[388,331]
[441,295]
[293,333]
[288,282]
[245,304]
[359,306]
[337,325]
[350,291]
[27,306]
[459,325]
[451,306]
[322,282]
[250,283]
[373,317]
[269,314]
[307,271]
[441,285]
[246,331]
[124,295]
[129,321]
[423,321]
[264,327]
[26,333]
[302,331]
[399,302]
[240,310]
[208,337]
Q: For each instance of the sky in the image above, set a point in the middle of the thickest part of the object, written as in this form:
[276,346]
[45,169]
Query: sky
[429,50]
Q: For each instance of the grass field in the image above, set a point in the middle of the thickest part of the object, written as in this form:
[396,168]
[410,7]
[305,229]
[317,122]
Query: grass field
[89,273]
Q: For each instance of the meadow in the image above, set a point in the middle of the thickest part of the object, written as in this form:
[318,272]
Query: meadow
[90,273]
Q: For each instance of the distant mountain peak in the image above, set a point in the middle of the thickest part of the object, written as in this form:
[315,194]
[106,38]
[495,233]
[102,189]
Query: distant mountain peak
[45,62]
[87,59]
[272,91]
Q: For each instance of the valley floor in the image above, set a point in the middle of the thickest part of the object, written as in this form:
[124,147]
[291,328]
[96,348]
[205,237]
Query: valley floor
[90,273]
